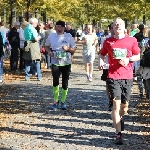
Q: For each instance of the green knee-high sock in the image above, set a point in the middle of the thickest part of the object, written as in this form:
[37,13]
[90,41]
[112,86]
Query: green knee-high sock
[64,95]
[56,93]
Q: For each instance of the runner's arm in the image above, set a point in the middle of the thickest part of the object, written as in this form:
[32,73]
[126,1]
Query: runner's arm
[71,49]
[135,57]
[81,40]
[95,42]
[48,47]
[101,62]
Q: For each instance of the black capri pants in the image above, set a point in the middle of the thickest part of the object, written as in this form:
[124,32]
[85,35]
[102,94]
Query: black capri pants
[57,71]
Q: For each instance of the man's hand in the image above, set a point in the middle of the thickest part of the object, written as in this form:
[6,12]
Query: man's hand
[37,38]
[65,48]
[124,62]
[101,64]
[50,54]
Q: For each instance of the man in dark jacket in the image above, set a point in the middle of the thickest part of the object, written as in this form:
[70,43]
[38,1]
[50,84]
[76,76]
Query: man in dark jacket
[140,36]
[14,41]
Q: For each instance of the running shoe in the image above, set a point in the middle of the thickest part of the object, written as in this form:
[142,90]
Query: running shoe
[54,107]
[63,106]
[90,79]
[118,140]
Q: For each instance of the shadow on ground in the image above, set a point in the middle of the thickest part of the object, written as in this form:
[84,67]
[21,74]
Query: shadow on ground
[84,106]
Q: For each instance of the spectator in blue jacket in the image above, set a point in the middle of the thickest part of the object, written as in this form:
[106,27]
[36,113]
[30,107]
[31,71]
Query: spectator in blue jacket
[2,43]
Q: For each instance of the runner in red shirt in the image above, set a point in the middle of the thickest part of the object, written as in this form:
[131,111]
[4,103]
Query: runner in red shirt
[122,50]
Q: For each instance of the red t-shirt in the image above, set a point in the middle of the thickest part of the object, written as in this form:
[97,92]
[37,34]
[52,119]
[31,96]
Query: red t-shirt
[127,46]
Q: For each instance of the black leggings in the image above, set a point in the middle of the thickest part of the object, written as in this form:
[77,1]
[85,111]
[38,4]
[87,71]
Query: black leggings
[57,71]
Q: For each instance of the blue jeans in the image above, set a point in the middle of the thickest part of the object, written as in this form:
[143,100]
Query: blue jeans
[48,60]
[147,90]
[136,66]
[140,85]
[1,69]
[31,68]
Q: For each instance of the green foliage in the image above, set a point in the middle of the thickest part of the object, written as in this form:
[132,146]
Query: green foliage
[81,11]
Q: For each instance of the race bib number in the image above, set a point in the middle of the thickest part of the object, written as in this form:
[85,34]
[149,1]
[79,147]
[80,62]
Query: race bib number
[60,54]
[119,53]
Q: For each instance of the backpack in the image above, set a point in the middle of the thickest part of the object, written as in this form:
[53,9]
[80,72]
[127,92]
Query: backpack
[145,61]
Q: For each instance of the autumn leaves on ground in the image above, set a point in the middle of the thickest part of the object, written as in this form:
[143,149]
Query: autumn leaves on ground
[10,106]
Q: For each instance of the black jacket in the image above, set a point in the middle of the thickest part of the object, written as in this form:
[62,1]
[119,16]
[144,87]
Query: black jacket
[72,32]
[13,38]
[139,36]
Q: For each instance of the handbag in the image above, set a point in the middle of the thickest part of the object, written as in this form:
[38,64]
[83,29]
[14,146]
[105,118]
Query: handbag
[7,46]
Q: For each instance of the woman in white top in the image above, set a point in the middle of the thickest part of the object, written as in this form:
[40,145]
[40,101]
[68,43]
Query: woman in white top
[41,42]
[89,41]
[22,40]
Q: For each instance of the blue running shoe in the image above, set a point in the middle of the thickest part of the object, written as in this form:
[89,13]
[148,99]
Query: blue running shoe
[54,107]
[63,106]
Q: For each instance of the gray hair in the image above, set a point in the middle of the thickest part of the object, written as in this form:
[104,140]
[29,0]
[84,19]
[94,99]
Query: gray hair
[118,18]
[33,20]
[17,23]
[25,23]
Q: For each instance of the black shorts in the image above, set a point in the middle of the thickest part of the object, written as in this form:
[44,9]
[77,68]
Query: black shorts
[120,89]
[104,75]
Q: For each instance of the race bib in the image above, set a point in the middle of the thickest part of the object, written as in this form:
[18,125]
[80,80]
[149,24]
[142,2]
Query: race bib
[60,54]
[119,53]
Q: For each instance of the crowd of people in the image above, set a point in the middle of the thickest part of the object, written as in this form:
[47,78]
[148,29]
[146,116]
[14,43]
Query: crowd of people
[123,56]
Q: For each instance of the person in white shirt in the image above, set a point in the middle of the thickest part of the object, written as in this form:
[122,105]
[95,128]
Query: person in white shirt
[59,46]
[22,40]
[89,41]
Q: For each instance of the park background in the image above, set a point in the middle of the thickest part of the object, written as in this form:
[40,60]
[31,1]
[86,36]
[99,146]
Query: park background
[98,12]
